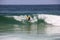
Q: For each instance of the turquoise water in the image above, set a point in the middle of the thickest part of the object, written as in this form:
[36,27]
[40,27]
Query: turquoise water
[44,26]
[12,29]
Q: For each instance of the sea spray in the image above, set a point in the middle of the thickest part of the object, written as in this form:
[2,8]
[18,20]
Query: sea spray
[47,18]
[50,19]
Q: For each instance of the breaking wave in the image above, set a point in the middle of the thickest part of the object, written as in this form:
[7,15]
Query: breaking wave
[35,18]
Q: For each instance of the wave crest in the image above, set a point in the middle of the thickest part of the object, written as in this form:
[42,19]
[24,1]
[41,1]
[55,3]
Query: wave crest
[50,19]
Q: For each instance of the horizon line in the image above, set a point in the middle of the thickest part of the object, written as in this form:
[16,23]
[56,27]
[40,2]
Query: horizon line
[29,4]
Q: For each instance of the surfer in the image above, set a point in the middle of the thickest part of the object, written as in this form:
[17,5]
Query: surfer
[28,18]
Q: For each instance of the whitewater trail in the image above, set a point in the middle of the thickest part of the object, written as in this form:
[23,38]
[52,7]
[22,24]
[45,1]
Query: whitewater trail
[50,19]
[23,18]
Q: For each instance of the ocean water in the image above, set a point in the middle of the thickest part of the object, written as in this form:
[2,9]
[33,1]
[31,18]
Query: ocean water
[29,9]
[44,23]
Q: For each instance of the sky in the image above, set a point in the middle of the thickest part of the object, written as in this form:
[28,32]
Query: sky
[28,2]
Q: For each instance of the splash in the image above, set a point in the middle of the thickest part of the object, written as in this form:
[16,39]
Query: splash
[50,19]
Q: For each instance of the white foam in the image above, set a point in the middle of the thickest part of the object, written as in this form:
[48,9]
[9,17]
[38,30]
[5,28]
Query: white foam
[50,19]
[19,18]
[34,19]
[22,18]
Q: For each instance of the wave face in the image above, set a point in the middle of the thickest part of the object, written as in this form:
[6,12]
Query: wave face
[40,18]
